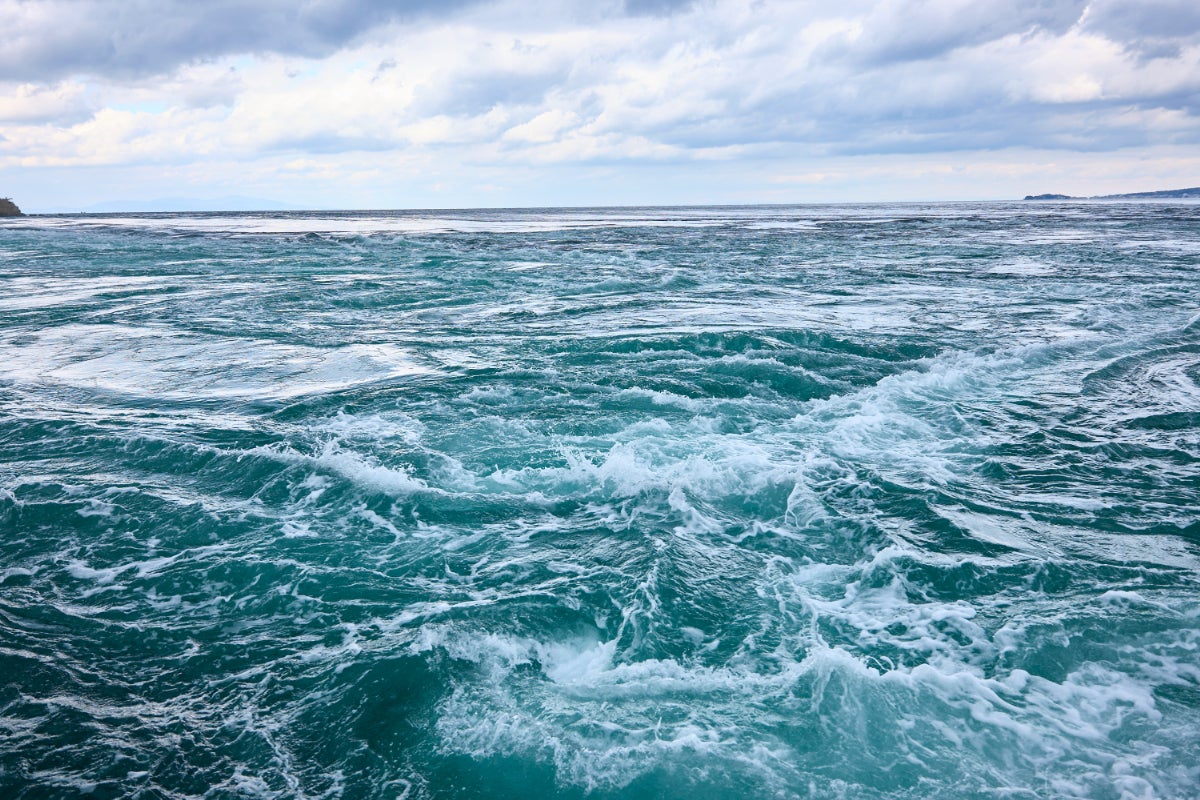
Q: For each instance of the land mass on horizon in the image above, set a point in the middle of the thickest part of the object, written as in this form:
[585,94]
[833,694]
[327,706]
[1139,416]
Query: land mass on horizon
[9,209]
[1165,194]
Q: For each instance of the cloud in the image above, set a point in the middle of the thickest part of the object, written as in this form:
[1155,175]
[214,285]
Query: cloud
[656,7]
[464,87]
[59,104]
[1146,19]
[907,30]
[53,38]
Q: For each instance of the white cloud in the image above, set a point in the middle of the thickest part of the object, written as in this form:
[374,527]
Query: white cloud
[545,127]
[31,103]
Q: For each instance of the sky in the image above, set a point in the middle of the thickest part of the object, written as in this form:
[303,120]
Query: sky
[348,104]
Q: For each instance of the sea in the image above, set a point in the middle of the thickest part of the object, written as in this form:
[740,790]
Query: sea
[848,501]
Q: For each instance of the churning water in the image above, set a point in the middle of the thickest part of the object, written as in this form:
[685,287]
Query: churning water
[862,502]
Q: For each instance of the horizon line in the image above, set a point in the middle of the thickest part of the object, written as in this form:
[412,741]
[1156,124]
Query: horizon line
[1130,197]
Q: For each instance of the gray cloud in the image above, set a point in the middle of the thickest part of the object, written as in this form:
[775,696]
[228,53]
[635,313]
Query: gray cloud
[477,94]
[907,30]
[1149,28]
[1130,21]
[123,38]
[656,7]
[44,40]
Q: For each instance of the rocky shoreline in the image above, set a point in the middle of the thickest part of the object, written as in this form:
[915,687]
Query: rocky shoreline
[9,209]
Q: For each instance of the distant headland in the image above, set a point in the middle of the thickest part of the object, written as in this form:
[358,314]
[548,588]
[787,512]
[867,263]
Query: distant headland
[1167,194]
[9,209]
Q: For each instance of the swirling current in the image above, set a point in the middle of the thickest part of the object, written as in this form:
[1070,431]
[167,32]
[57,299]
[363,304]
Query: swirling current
[892,501]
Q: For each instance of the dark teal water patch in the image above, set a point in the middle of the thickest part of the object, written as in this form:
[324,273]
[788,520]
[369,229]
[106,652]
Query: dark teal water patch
[864,502]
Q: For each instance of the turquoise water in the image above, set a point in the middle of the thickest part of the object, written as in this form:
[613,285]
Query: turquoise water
[861,502]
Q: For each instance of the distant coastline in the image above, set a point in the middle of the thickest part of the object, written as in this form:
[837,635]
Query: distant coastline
[1166,194]
[9,209]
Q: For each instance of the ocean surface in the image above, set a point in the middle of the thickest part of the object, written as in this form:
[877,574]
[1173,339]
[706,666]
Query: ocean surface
[890,501]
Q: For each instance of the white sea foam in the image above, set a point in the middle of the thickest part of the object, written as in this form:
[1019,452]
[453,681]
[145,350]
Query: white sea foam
[607,736]
[141,568]
[374,427]
[83,572]
[366,223]
[1024,268]
[353,466]
[32,293]
[171,364]
[991,528]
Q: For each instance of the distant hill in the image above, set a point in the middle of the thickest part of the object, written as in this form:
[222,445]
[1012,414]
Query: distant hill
[1166,194]
[9,209]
